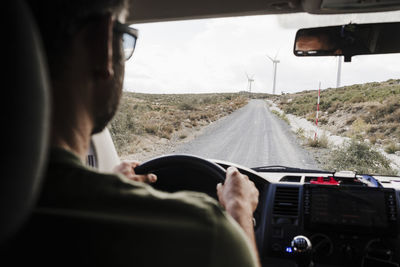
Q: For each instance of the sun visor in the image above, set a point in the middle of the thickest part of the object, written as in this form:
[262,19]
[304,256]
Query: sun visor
[348,6]
[306,20]
[357,5]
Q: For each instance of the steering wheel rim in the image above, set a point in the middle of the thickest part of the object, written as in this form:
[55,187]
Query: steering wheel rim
[212,173]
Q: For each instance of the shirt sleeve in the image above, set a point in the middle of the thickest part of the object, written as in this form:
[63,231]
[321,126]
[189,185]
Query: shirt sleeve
[232,246]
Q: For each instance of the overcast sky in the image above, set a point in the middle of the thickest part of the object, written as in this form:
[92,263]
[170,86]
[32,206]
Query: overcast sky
[214,55]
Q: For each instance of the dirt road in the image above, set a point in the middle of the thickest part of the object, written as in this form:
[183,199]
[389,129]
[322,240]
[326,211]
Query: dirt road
[251,136]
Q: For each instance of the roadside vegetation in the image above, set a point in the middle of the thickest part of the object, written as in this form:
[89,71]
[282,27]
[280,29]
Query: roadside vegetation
[364,111]
[319,142]
[368,114]
[360,157]
[144,120]
[281,116]
[392,148]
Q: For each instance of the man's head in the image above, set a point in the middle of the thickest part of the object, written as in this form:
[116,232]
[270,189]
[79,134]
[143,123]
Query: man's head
[86,61]
[313,42]
[320,41]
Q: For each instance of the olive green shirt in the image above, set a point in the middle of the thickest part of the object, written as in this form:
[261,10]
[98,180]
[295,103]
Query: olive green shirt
[150,227]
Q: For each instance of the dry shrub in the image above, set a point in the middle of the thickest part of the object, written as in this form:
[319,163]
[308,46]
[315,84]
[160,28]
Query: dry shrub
[319,142]
[281,116]
[360,157]
[373,129]
[322,120]
[150,128]
[351,120]
[391,148]
[372,139]
[393,117]
[300,132]
[166,131]
[359,128]
[186,106]
[358,99]
[311,116]
[334,107]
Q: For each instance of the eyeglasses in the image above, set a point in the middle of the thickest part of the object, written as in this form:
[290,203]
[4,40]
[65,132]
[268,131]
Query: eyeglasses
[129,37]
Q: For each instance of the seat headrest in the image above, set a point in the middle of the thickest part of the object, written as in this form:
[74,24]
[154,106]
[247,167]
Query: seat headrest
[27,119]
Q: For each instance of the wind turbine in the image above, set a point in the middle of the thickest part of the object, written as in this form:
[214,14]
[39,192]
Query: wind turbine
[275,66]
[339,71]
[249,81]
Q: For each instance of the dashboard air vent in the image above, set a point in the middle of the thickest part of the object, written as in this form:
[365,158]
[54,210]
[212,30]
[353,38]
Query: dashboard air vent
[291,179]
[286,201]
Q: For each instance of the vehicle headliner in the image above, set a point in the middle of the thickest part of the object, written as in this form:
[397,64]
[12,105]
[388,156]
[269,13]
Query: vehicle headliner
[142,11]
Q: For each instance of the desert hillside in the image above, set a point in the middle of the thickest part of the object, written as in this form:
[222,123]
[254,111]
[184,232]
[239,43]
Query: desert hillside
[367,115]
[369,111]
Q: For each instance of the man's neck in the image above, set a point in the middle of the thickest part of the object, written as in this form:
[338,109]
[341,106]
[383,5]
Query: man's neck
[72,132]
[71,123]
[77,143]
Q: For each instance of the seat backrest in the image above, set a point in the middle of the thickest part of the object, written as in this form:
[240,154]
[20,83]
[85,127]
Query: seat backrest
[26,108]
[59,237]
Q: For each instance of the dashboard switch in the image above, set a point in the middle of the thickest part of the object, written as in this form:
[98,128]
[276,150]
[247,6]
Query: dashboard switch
[276,247]
[277,232]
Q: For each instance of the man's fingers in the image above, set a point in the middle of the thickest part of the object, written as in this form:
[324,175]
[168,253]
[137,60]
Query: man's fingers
[219,188]
[148,178]
[145,178]
[125,164]
[127,168]
[152,178]
[232,171]
[219,194]
[134,164]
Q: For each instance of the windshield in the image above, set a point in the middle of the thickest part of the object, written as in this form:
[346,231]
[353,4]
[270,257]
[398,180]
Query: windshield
[231,89]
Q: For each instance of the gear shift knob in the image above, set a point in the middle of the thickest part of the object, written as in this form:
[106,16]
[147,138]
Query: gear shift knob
[302,247]
[301,244]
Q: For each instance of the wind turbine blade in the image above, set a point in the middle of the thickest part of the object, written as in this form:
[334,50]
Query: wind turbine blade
[270,58]
[277,52]
[247,75]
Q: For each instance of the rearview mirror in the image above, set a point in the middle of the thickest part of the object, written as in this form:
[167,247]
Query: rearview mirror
[348,40]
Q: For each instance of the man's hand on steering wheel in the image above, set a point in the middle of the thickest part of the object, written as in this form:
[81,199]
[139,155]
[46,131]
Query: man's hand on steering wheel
[127,168]
[239,196]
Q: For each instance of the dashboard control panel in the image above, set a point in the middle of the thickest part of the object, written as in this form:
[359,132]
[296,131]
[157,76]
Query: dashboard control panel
[345,225]
[350,209]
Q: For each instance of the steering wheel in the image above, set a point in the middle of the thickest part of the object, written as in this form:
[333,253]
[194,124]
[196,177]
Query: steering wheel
[184,172]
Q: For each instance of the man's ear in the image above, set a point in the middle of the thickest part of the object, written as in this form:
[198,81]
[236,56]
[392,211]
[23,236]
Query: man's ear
[99,41]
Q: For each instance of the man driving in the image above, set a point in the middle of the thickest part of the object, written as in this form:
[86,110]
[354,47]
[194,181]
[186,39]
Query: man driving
[87,44]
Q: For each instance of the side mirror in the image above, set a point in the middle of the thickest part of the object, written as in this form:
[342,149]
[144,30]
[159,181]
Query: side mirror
[348,40]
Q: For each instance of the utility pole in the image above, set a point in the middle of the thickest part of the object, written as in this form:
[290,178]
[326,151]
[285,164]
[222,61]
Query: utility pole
[317,115]
[339,71]
[275,66]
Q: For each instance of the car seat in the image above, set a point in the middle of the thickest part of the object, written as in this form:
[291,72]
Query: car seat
[26,109]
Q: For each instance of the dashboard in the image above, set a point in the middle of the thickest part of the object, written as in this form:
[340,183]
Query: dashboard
[303,222]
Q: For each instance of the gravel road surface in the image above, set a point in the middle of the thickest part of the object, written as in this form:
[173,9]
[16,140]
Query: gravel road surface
[251,136]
